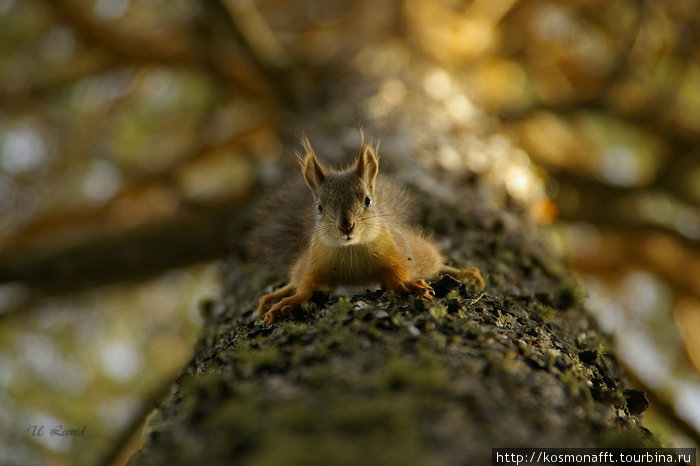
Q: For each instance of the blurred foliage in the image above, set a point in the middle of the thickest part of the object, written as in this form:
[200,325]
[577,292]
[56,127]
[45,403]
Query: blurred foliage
[118,116]
[91,360]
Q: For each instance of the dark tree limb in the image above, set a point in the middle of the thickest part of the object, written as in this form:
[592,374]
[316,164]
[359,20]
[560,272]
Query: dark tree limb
[127,47]
[621,204]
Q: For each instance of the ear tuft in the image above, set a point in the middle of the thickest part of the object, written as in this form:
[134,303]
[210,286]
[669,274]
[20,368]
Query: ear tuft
[367,164]
[310,166]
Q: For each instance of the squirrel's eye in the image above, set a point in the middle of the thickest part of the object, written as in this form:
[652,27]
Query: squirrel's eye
[368,201]
[319,209]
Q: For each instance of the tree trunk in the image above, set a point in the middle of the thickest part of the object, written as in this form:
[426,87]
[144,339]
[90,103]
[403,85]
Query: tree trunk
[379,378]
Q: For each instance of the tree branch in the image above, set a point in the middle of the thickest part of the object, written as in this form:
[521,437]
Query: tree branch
[132,47]
[619,205]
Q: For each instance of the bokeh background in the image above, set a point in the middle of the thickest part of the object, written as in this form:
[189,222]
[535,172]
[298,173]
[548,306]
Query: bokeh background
[130,128]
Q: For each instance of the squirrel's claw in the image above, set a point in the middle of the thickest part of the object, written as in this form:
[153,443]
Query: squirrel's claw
[275,311]
[269,317]
[420,285]
[280,309]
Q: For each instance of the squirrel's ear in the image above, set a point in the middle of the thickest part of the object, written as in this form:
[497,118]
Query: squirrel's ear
[310,167]
[367,165]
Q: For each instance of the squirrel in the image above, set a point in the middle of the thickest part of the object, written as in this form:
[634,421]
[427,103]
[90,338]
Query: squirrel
[360,235]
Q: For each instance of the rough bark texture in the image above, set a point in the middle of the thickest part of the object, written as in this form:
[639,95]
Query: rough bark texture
[378,378]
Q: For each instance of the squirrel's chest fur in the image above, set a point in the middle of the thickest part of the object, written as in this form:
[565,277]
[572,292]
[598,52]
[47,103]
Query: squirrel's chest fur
[399,252]
[358,264]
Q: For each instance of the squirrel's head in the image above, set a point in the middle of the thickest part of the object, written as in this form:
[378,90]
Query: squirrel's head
[345,210]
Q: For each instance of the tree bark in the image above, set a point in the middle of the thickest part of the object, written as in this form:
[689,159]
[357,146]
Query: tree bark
[379,378]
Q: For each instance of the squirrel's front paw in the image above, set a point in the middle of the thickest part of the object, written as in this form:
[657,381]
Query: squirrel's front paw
[271,316]
[421,286]
[473,274]
[278,310]
[282,308]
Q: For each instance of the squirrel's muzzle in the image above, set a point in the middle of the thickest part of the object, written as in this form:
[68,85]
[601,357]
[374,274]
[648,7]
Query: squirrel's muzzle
[346,227]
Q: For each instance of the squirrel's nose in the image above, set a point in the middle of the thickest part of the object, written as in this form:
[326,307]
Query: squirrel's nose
[346,227]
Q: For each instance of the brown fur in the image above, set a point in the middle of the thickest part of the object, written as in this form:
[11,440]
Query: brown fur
[348,228]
